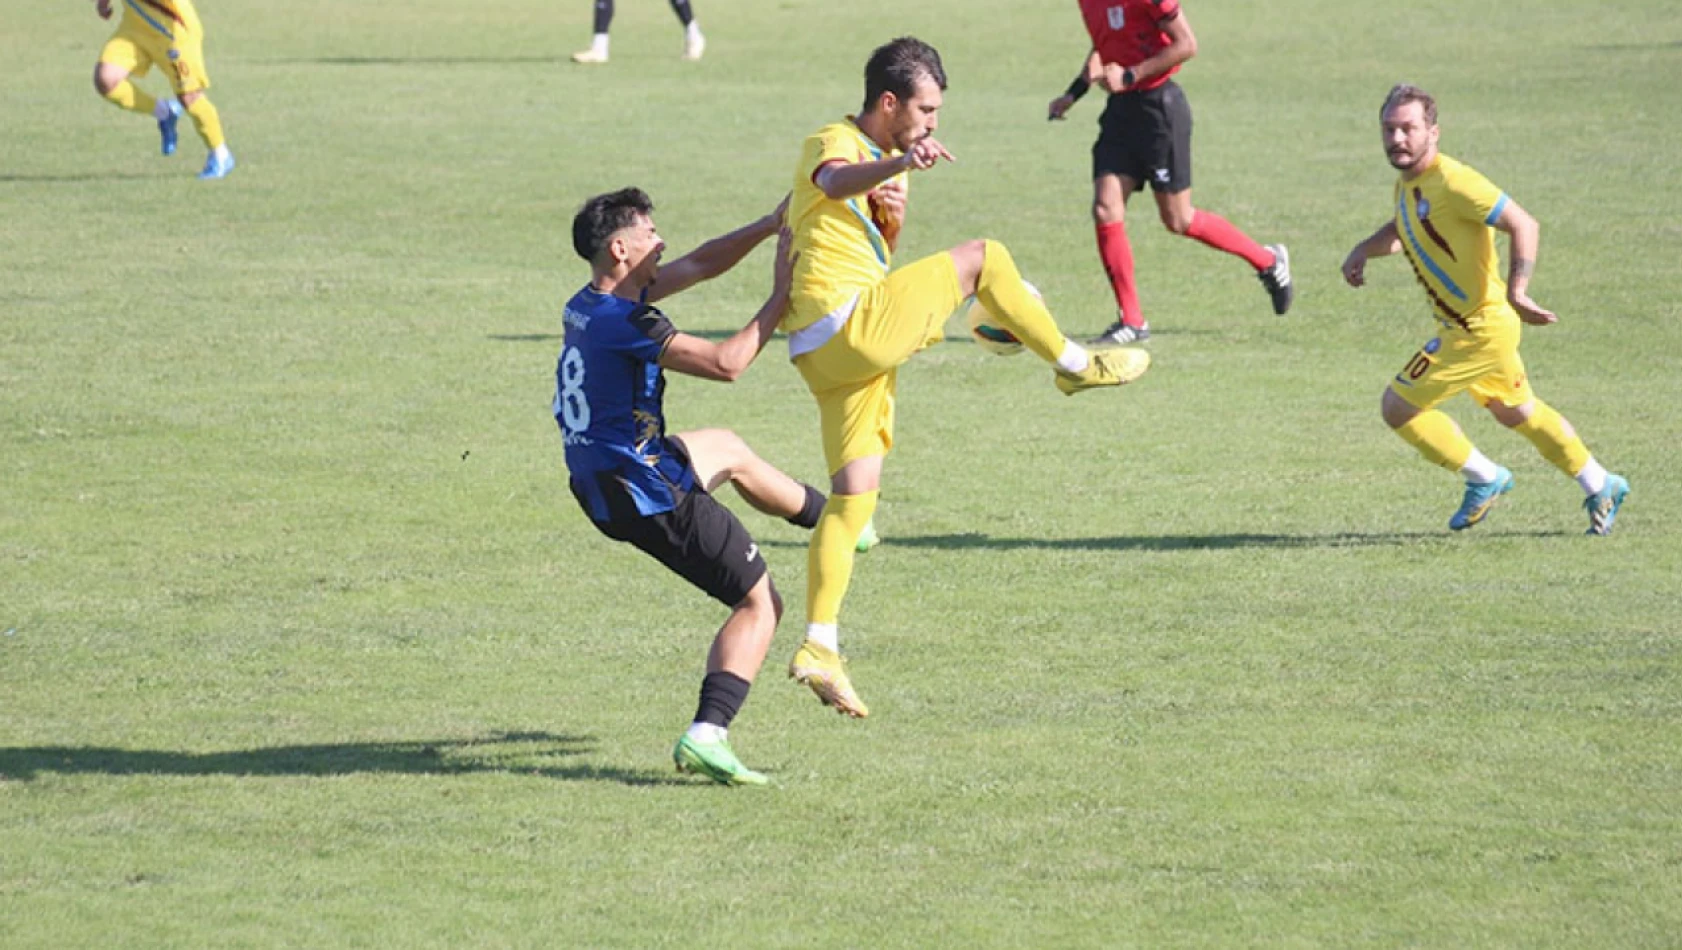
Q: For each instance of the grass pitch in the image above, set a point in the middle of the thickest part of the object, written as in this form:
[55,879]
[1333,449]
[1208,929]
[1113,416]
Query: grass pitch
[303,643]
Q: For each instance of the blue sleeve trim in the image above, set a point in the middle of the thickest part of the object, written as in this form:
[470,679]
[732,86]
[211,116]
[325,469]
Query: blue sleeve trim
[1495,212]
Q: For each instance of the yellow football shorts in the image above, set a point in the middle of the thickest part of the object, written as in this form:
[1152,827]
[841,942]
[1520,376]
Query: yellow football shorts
[1488,366]
[853,374]
[136,46]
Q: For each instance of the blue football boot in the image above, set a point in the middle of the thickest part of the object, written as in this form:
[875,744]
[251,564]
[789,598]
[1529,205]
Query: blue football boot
[166,127]
[1603,505]
[1480,497]
[218,165]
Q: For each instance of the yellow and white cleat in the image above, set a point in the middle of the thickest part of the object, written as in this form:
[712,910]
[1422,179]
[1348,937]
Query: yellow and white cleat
[1109,366]
[825,672]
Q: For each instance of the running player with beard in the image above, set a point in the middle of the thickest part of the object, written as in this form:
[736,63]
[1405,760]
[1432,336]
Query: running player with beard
[166,34]
[1444,218]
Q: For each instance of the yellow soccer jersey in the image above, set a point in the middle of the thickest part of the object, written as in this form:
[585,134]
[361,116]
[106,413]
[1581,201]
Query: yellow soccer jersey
[1445,217]
[162,16]
[840,244]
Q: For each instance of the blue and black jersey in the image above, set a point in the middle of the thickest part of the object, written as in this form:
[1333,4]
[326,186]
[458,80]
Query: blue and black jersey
[608,402]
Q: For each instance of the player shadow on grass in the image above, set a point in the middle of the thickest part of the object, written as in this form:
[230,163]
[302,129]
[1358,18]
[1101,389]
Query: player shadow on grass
[432,60]
[1633,47]
[1184,542]
[519,753]
[78,177]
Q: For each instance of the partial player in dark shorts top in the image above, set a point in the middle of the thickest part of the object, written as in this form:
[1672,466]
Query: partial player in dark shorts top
[1145,136]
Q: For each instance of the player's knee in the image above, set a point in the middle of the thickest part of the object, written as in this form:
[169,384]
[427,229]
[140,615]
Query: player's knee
[1108,212]
[717,452]
[1395,410]
[188,98]
[1176,222]
[763,600]
[969,258]
[738,455]
[106,79]
[1512,416]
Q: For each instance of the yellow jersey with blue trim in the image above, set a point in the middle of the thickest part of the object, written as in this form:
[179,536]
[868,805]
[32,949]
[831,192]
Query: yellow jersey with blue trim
[162,16]
[1445,217]
[840,242]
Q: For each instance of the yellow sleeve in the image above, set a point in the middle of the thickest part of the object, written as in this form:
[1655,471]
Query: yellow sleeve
[828,144]
[1476,197]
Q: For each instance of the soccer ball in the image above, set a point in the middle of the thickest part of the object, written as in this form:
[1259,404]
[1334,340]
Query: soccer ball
[988,333]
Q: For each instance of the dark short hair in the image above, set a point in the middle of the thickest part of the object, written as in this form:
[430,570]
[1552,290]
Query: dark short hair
[1403,93]
[604,216]
[897,66]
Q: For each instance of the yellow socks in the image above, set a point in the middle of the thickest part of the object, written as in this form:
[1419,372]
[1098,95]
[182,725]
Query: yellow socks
[126,95]
[1438,439]
[1001,289]
[1555,439]
[208,122]
[829,556]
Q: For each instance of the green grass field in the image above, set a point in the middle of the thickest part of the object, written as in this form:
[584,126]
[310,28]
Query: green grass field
[304,643]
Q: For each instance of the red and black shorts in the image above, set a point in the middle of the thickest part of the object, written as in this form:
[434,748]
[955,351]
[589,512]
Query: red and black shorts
[1146,136]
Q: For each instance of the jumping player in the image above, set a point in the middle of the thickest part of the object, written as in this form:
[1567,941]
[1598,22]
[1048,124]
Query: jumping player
[853,320]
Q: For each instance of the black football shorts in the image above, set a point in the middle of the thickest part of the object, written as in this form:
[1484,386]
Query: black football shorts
[1146,136]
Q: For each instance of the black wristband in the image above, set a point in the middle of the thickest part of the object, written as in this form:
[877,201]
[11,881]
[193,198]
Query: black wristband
[1128,78]
[1077,88]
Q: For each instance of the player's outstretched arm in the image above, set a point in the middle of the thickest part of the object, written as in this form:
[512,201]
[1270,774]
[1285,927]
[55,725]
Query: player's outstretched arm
[727,360]
[716,256]
[1524,235]
[1381,243]
[839,180]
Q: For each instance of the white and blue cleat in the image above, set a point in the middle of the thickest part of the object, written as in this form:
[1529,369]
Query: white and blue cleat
[1479,498]
[218,165]
[1603,505]
[166,127]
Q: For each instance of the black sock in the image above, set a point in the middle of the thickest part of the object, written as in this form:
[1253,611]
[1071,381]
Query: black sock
[722,696]
[808,516]
[604,15]
[684,14]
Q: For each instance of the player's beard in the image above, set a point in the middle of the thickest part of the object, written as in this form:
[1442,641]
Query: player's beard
[909,136]
[1405,161]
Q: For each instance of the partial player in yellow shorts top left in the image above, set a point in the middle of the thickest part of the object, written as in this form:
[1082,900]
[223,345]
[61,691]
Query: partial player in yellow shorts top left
[168,34]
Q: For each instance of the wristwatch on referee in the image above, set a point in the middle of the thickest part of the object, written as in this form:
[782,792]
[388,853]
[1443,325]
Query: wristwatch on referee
[1128,78]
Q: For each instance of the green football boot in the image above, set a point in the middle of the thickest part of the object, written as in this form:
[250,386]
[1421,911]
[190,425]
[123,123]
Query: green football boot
[716,761]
